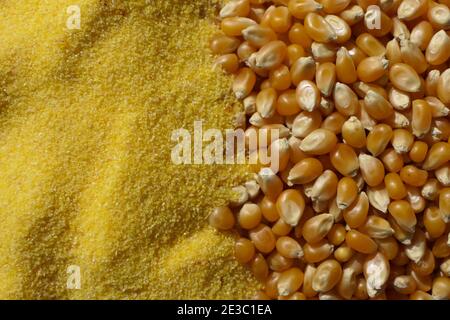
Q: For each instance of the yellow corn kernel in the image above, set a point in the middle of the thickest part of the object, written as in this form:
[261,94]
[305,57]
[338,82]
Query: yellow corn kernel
[301,8]
[405,78]
[333,122]
[263,238]
[259,267]
[319,142]
[235,8]
[222,44]
[372,169]
[443,87]
[326,78]
[377,228]
[378,197]
[413,176]
[297,35]
[305,123]
[393,161]
[370,45]
[372,68]
[289,247]
[438,109]
[413,56]
[430,190]
[444,204]
[233,26]
[281,19]
[393,53]
[378,139]
[244,250]
[412,9]
[271,185]
[269,209]
[441,288]
[317,227]
[316,252]
[291,205]
[360,242]
[340,27]
[388,247]
[245,50]
[303,69]
[290,281]
[344,160]
[243,83]
[343,253]
[377,106]
[323,52]
[403,214]
[324,187]
[327,276]
[347,192]
[376,271]
[353,133]
[438,49]
[355,215]
[345,100]
[266,102]
[402,141]
[294,52]
[352,15]
[280,78]
[222,218]
[279,263]
[319,29]
[421,34]
[258,36]
[345,68]
[308,95]
[421,118]
[395,186]
[433,222]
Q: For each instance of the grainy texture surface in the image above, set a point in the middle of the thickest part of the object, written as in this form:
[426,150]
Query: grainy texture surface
[85,172]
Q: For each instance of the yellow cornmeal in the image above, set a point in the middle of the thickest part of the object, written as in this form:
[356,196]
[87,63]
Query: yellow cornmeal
[85,173]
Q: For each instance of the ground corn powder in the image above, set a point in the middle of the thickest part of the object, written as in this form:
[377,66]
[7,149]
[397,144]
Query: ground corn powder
[85,173]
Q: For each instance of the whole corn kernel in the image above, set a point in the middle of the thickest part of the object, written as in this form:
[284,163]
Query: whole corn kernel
[403,214]
[353,133]
[317,227]
[395,186]
[376,272]
[356,214]
[316,252]
[244,250]
[360,242]
[377,228]
[319,142]
[319,29]
[301,8]
[347,192]
[372,169]
[305,171]
[289,247]
[290,281]
[377,106]
[263,238]
[326,78]
[412,9]
[281,19]
[345,100]
[421,118]
[344,160]
[222,218]
[259,267]
[233,26]
[378,139]
[405,78]
[235,8]
[291,205]
[327,276]
[243,83]
[372,68]
[438,48]
[308,95]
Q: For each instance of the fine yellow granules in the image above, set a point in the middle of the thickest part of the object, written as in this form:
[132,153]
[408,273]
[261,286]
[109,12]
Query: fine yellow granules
[85,173]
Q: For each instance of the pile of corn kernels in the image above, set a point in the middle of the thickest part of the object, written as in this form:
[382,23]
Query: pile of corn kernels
[359,91]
